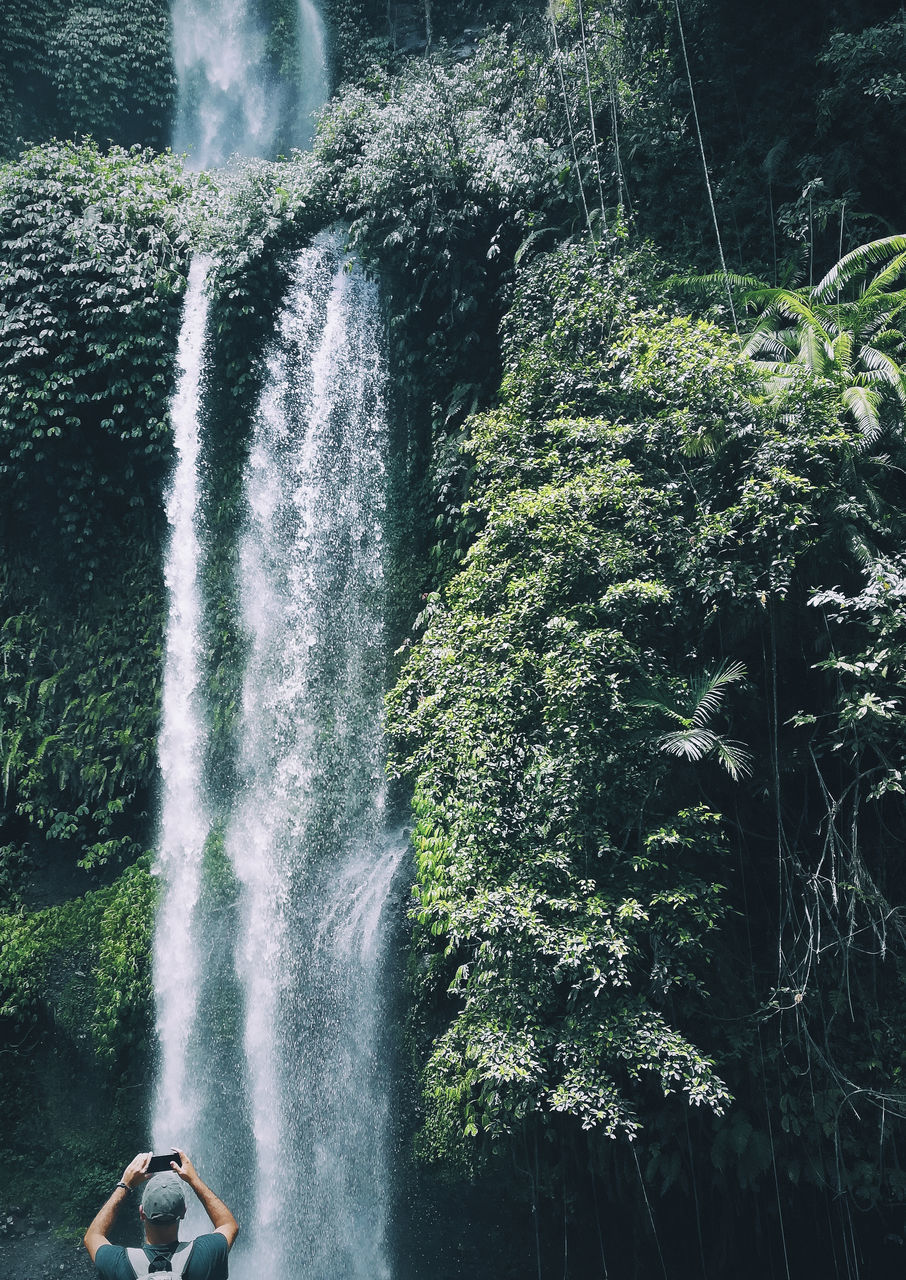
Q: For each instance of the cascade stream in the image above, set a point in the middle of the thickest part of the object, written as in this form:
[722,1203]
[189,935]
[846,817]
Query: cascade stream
[272,1072]
[231,101]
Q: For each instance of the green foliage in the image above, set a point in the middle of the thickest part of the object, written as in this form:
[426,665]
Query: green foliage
[76,1039]
[358,36]
[844,334]
[613,903]
[443,171]
[553,338]
[566,890]
[869,62]
[694,739]
[92,253]
[279,19]
[78,720]
[799,120]
[642,508]
[83,968]
[113,71]
[867,717]
[102,68]
[860,108]
[26,67]
[121,1026]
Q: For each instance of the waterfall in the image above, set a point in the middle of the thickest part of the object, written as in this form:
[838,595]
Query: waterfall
[234,100]
[184,825]
[272,930]
[313,85]
[307,838]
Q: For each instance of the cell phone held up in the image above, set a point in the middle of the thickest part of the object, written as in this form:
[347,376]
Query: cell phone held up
[161,1164]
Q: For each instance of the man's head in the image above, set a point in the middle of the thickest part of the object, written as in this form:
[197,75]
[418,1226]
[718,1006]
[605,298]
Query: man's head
[163,1203]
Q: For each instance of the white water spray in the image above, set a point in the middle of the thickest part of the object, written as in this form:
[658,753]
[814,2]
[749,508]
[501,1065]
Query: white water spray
[184,823]
[232,99]
[269,966]
[314,87]
[307,839]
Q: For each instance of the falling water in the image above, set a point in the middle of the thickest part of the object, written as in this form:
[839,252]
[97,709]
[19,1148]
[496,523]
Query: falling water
[307,839]
[313,85]
[184,824]
[269,961]
[233,101]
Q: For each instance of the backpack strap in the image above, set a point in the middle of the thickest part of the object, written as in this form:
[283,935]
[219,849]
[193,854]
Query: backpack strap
[180,1257]
[138,1258]
[178,1260]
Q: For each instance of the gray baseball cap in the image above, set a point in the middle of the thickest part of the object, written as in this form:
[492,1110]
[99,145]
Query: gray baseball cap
[162,1198]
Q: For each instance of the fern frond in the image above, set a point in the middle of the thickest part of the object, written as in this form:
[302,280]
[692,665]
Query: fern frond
[862,550]
[45,688]
[12,759]
[51,738]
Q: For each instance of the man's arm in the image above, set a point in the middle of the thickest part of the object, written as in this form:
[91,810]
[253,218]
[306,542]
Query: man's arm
[134,1175]
[221,1218]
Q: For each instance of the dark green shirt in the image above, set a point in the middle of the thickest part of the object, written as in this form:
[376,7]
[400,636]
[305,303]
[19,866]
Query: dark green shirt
[207,1261]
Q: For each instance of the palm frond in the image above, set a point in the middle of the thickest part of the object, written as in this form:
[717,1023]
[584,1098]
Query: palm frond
[856,263]
[842,351]
[888,370]
[655,704]
[864,404]
[770,341]
[793,306]
[717,282]
[693,740]
[889,337]
[707,691]
[868,315]
[734,758]
[813,350]
[693,743]
[778,378]
[880,283]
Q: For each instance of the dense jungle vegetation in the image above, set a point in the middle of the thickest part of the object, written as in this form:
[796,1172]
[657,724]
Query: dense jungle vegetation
[645,291]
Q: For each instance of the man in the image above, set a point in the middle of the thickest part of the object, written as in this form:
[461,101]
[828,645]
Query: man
[162,1208]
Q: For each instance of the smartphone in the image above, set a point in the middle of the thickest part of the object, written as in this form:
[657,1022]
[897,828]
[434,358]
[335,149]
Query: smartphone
[161,1164]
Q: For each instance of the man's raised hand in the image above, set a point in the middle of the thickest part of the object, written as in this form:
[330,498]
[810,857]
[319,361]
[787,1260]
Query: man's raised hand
[137,1172]
[185,1168]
